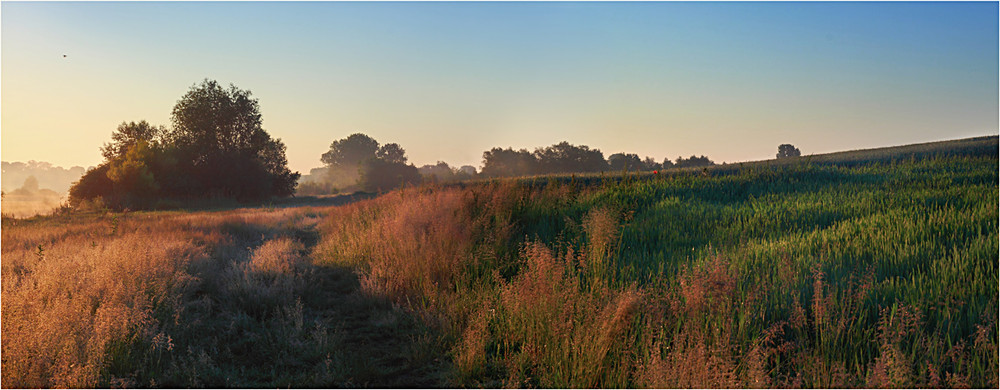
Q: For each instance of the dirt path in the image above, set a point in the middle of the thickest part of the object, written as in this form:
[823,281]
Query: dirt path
[261,313]
[383,346]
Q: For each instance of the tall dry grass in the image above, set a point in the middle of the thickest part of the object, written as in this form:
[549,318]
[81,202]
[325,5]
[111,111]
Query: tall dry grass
[76,299]
[442,253]
[149,300]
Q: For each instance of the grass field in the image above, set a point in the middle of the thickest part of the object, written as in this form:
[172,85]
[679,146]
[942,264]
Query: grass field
[871,269]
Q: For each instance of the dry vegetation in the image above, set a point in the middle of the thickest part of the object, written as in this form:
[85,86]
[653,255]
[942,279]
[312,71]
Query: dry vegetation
[224,299]
[881,275]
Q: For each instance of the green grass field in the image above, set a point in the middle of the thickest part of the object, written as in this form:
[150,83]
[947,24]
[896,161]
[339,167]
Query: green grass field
[871,268]
[817,271]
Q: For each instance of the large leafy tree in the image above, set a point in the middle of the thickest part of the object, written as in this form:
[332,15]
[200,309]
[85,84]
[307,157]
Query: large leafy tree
[351,151]
[391,153]
[360,160]
[211,120]
[129,134]
[131,176]
[219,134]
[217,147]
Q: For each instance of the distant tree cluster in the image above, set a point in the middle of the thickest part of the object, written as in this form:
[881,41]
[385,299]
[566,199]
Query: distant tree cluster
[559,158]
[359,162]
[693,162]
[444,173]
[29,199]
[788,150]
[566,158]
[632,162]
[30,189]
[215,149]
[55,178]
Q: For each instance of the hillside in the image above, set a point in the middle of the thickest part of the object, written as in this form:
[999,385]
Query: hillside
[858,269]
[976,146]
[845,274]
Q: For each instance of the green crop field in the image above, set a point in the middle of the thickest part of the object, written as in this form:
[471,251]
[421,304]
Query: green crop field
[872,268]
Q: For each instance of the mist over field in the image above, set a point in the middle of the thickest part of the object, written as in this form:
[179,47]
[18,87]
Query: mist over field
[35,188]
[51,177]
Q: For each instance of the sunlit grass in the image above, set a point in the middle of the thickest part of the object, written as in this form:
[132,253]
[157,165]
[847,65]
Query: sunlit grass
[882,274]
[799,275]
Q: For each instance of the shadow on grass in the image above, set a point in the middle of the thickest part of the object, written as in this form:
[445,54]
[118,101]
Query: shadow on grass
[385,346]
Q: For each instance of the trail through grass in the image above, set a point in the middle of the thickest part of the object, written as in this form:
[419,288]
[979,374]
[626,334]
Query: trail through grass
[233,300]
[868,274]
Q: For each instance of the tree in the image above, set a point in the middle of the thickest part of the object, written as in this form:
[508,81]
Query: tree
[92,185]
[649,164]
[130,133]
[381,175]
[222,143]
[622,161]
[499,162]
[787,150]
[693,161]
[216,147]
[565,158]
[30,184]
[132,181]
[440,172]
[210,120]
[359,160]
[391,153]
[351,151]
[465,172]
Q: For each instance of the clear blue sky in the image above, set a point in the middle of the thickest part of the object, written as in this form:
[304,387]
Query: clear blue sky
[450,80]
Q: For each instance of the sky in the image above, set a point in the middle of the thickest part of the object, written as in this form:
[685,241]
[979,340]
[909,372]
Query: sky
[450,80]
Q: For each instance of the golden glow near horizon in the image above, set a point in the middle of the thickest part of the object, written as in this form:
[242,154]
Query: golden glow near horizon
[448,81]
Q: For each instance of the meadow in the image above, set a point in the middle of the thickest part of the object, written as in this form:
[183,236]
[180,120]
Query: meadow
[807,273]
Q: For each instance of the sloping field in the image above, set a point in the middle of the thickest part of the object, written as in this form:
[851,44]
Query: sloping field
[804,273]
[799,274]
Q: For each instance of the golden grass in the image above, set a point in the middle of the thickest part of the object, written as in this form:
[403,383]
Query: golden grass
[515,286]
[72,295]
[102,300]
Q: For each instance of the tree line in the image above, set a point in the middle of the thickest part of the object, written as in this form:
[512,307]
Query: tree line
[216,148]
[360,163]
[567,158]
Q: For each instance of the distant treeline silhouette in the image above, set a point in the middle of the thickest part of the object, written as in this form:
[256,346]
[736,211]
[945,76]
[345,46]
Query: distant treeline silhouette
[567,158]
[215,149]
[55,178]
[359,163]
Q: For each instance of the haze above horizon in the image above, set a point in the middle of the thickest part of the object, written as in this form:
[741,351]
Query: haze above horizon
[448,81]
